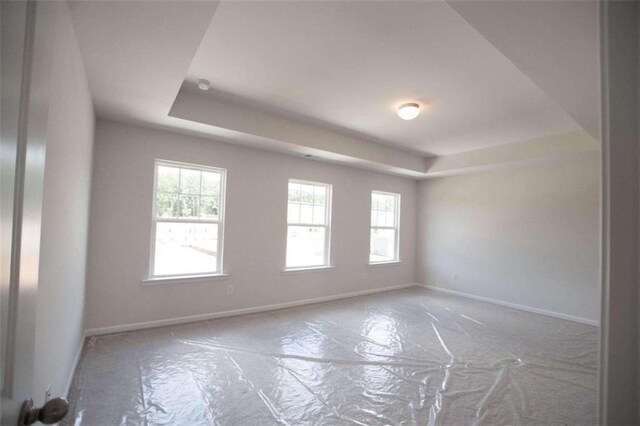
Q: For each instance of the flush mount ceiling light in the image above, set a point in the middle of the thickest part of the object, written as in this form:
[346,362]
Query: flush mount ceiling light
[204,84]
[408,111]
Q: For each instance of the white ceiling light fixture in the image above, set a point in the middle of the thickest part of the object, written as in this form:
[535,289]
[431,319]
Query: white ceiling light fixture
[409,110]
[204,84]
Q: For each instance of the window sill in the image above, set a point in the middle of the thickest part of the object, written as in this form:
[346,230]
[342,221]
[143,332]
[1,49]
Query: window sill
[183,279]
[391,262]
[309,269]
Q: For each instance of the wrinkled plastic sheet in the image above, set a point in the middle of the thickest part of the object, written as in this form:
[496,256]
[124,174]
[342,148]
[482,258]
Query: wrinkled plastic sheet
[405,357]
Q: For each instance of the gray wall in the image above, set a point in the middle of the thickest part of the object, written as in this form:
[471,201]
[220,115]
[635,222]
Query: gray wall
[527,235]
[61,288]
[255,229]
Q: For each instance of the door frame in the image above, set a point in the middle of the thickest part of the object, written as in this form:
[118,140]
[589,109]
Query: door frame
[29,140]
[619,375]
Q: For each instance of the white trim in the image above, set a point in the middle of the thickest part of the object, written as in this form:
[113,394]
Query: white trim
[385,192]
[183,279]
[513,305]
[307,269]
[385,262]
[235,312]
[186,220]
[308,225]
[308,182]
[604,366]
[76,361]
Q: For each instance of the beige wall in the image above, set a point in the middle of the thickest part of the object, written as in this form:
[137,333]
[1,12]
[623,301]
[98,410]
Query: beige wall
[255,230]
[527,235]
[61,288]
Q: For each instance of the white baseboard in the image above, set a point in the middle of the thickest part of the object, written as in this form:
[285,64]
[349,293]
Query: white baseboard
[76,361]
[513,305]
[235,312]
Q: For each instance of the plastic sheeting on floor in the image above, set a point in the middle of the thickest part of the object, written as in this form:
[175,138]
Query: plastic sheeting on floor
[404,357]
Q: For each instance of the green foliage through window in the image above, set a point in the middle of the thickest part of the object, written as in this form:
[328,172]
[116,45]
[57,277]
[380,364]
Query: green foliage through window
[187,193]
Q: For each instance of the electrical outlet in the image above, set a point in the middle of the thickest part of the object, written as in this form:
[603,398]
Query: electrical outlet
[230,289]
[455,277]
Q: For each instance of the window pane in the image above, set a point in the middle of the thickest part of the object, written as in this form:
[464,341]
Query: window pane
[305,246]
[189,181]
[167,205]
[318,215]
[307,205]
[187,193]
[188,206]
[211,184]
[168,178]
[185,248]
[388,203]
[382,218]
[209,207]
[294,192]
[392,219]
[306,193]
[319,195]
[178,206]
[293,213]
[374,217]
[383,245]
[306,213]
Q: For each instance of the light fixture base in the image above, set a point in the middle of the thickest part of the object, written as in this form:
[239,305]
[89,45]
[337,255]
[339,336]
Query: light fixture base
[203,84]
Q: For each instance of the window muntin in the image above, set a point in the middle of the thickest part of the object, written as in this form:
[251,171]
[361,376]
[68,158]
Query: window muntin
[187,220]
[308,224]
[385,224]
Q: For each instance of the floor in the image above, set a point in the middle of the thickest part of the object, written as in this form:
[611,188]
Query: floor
[405,357]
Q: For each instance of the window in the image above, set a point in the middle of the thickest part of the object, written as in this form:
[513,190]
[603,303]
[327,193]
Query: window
[308,220]
[385,223]
[188,220]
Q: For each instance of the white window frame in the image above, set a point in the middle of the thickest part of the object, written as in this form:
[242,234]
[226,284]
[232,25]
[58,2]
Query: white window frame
[220,221]
[395,227]
[327,226]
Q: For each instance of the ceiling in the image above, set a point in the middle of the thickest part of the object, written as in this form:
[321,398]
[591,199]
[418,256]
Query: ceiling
[351,63]
[555,43]
[325,77]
